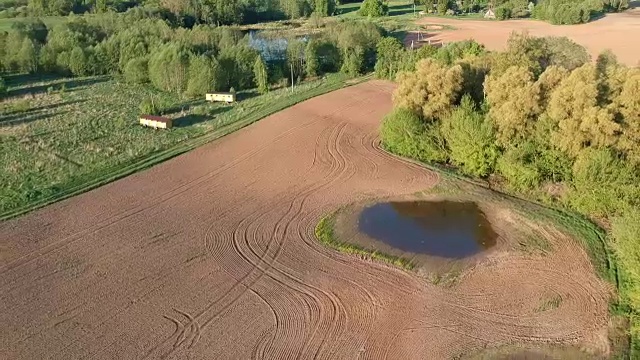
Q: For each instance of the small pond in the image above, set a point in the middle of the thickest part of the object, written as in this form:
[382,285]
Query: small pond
[447,229]
[271,48]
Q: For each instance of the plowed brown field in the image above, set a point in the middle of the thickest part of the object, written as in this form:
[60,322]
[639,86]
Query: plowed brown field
[212,255]
[613,32]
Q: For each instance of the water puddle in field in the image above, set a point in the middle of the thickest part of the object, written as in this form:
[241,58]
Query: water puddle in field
[447,229]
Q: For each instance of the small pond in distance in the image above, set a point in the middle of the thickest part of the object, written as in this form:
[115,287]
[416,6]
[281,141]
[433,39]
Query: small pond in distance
[448,229]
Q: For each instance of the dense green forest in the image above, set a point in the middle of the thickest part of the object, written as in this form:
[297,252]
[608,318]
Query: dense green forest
[554,11]
[187,12]
[539,119]
[227,12]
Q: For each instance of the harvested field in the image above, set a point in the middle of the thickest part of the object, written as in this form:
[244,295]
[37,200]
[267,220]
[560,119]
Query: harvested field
[212,255]
[610,32]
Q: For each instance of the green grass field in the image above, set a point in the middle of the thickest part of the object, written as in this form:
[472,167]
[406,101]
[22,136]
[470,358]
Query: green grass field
[57,143]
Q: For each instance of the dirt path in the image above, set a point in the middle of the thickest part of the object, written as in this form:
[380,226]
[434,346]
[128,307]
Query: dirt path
[212,256]
[614,32]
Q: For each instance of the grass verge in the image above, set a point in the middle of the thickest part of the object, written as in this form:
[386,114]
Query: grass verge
[326,235]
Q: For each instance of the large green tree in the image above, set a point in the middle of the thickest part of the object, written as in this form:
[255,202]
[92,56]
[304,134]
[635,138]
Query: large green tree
[168,67]
[431,90]
[27,56]
[261,77]
[514,100]
[470,139]
[573,106]
[390,58]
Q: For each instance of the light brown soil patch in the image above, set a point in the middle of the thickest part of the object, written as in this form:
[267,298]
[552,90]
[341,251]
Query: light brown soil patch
[212,255]
[614,32]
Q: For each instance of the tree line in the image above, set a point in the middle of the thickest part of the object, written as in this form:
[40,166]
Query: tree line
[185,12]
[141,48]
[554,11]
[541,118]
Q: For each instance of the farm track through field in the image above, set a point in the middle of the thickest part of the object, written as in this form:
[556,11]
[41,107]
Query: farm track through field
[213,255]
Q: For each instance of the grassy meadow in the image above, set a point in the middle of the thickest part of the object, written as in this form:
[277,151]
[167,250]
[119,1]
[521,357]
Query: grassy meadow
[60,137]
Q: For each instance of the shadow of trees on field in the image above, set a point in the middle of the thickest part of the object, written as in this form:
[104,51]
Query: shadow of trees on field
[24,84]
[192,119]
[19,116]
[18,120]
[403,9]
[3,114]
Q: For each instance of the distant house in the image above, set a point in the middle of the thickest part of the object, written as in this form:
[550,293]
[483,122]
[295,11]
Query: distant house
[490,14]
[227,97]
[156,122]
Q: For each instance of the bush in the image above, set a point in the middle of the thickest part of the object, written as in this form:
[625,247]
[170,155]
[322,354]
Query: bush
[516,167]
[470,139]
[565,52]
[443,6]
[373,8]
[261,76]
[625,231]
[149,106]
[403,133]
[603,185]
[353,62]
[503,13]
[390,58]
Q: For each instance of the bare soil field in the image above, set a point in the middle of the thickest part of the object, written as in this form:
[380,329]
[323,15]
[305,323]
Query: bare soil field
[212,255]
[613,31]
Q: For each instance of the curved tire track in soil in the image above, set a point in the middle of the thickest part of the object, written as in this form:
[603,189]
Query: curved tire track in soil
[213,255]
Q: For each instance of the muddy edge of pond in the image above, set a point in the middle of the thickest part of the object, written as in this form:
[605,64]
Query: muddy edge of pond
[505,231]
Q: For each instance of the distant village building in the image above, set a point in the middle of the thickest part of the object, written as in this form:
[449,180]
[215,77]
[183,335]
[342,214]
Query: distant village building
[156,122]
[490,14]
[227,97]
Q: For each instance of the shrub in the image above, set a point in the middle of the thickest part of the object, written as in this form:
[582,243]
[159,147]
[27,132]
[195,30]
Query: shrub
[625,231]
[390,58]
[403,133]
[443,6]
[353,62]
[373,8]
[149,106]
[603,184]
[516,167]
[261,76]
[565,52]
[503,13]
